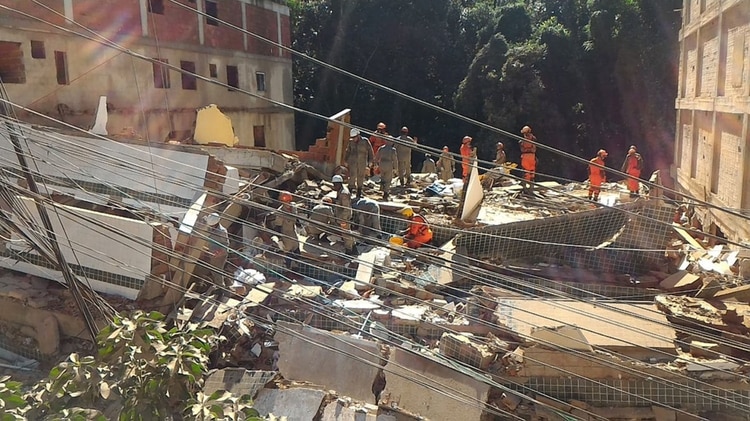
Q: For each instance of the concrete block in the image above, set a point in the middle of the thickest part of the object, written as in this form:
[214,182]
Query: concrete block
[680,280]
[463,349]
[336,411]
[418,384]
[664,414]
[295,403]
[339,362]
[48,336]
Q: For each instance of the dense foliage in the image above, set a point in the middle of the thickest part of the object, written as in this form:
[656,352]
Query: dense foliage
[144,370]
[585,74]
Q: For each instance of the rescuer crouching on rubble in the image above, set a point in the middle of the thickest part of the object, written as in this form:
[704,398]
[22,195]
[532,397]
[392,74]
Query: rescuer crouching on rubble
[418,233]
[215,254]
[284,223]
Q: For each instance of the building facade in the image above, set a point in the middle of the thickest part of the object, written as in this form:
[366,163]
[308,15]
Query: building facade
[51,62]
[712,151]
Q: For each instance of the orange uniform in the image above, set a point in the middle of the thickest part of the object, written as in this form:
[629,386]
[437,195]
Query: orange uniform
[528,157]
[465,159]
[632,166]
[418,233]
[597,176]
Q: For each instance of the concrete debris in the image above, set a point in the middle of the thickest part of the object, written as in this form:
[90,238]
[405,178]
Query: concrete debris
[294,403]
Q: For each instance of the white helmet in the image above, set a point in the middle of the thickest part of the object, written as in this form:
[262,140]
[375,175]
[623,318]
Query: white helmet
[212,219]
[353,132]
[337,179]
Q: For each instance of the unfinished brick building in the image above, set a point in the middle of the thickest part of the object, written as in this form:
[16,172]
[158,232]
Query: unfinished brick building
[712,159]
[53,60]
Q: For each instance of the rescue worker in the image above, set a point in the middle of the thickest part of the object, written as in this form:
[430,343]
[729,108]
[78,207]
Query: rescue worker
[466,157]
[446,164]
[528,154]
[597,175]
[323,214]
[403,151]
[367,217]
[418,233]
[377,140]
[632,166]
[358,158]
[216,249]
[500,157]
[428,166]
[284,222]
[343,209]
[386,160]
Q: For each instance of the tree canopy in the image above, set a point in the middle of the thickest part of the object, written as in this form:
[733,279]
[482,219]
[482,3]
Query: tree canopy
[585,74]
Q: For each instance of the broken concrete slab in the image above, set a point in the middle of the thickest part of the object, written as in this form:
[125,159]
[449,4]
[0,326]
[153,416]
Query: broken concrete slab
[417,383]
[339,362]
[462,348]
[740,293]
[564,337]
[239,381]
[295,403]
[595,322]
[680,281]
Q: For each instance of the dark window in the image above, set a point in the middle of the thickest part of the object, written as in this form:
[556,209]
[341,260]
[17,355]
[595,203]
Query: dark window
[161,74]
[12,69]
[259,136]
[260,80]
[212,9]
[61,66]
[188,80]
[156,6]
[37,49]
[212,70]
[233,77]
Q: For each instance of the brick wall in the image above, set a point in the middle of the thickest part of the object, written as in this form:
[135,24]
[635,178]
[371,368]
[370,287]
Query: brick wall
[687,145]
[29,7]
[286,35]
[109,17]
[177,24]
[730,162]
[709,67]
[223,36]
[262,22]
[691,72]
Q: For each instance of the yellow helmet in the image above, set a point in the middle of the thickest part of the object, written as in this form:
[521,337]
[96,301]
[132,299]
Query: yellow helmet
[407,212]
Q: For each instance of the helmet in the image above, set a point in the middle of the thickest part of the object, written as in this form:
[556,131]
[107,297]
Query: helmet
[353,132]
[285,197]
[602,153]
[445,148]
[381,125]
[633,147]
[212,219]
[407,212]
[500,145]
[404,129]
[467,139]
[526,129]
[327,199]
[337,179]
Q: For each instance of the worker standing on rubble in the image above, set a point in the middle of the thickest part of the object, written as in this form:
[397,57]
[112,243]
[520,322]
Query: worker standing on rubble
[386,158]
[284,222]
[367,217]
[403,151]
[343,210]
[466,150]
[418,233]
[358,158]
[446,164]
[377,140]
[428,166]
[632,166]
[597,175]
[500,157]
[218,244]
[528,153]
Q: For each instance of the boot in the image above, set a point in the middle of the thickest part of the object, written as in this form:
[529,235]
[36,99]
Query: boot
[385,197]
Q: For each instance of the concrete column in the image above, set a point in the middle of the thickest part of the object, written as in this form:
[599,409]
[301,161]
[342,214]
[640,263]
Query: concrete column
[144,17]
[745,176]
[278,32]
[68,9]
[244,24]
[201,20]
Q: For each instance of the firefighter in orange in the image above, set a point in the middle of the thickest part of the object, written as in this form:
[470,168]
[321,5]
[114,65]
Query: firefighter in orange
[378,138]
[632,166]
[597,175]
[418,233]
[528,154]
[466,157]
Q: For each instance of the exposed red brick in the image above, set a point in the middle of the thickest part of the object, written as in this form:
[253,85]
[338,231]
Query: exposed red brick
[32,9]
[223,36]
[262,22]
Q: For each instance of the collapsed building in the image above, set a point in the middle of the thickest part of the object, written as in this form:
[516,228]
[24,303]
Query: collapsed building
[533,307]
